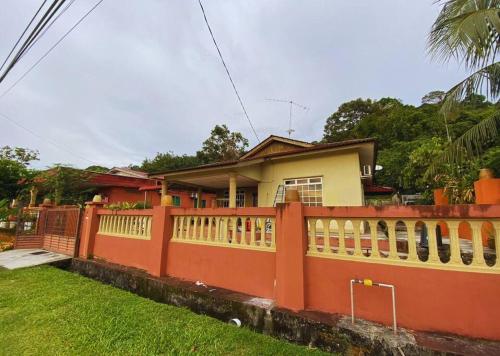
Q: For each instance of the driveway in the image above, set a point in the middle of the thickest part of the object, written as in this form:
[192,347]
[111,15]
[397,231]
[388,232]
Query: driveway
[13,259]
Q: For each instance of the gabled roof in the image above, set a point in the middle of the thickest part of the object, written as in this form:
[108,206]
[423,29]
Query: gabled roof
[309,149]
[286,144]
[127,172]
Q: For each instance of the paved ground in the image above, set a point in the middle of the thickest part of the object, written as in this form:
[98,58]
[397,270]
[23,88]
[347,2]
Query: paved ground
[29,257]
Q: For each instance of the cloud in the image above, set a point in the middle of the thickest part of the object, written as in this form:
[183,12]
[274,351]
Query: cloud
[138,78]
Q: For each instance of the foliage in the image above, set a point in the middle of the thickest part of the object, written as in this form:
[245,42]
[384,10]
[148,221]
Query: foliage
[491,159]
[110,321]
[66,185]
[222,145]
[418,161]
[18,154]
[469,31]
[409,138]
[11,174]
[433,97]
[14,170]
[168,161]
[5,210]
[348,115]
[128,205]
[97,169]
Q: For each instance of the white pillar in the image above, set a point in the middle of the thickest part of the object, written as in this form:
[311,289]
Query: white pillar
[232,190]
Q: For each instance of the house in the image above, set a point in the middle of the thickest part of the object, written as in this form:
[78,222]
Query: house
[118,185]
[127,172]
[332,174]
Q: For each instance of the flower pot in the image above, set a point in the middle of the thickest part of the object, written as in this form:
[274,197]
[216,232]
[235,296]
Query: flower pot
[4,225]
[486,173]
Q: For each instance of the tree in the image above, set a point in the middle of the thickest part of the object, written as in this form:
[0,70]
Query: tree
[168,161]
[66,185]
[469,31]
[222,145]
[339,125]
[18,154]
[14,162]
[97,169]
[433,97]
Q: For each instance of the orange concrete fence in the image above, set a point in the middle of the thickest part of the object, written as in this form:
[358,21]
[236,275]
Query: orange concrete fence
[303,258]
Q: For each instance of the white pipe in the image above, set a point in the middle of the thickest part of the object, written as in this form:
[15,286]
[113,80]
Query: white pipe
[393,294]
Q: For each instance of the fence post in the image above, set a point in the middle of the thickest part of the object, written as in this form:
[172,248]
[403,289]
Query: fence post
[161,233]
[290,255]
[89,230]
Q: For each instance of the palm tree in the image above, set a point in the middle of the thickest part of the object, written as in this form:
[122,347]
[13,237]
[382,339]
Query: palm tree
[469,31]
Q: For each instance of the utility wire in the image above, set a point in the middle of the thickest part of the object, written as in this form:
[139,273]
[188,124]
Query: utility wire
[53,8]
[53,143]
[51,48]
[22,34]
[48,27]
[227,71]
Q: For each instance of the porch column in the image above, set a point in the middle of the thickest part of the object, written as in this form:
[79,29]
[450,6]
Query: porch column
[164,187]
[198,201]
[232,190]
[166,200]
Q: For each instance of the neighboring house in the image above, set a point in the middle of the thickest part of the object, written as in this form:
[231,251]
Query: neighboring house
[378,195]
[127,172]
[324,174]
[123,185]
[115,188]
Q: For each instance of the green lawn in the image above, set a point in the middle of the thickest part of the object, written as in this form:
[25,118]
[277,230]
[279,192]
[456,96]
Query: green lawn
[44,310]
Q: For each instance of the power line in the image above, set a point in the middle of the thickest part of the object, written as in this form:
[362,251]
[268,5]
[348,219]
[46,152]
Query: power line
[53,8]
[51,49]
[22,34]
[48,27]
[53,143]
[227,71]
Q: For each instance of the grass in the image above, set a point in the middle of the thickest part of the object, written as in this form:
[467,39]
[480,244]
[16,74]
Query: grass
[44,310]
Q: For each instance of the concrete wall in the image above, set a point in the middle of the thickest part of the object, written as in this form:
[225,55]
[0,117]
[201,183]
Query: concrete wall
[247,271]
[450,297]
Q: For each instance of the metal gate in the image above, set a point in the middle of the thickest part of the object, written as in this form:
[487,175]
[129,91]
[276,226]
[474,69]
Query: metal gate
[53,229]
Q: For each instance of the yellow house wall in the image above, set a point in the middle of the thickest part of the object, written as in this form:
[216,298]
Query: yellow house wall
[341,178]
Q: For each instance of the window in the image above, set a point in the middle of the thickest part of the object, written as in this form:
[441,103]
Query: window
[240,198]
[203,203]
[176,200]
[310,189]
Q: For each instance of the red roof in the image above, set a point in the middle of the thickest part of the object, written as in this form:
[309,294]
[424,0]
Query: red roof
[378,189]
[150,187]
[113,180]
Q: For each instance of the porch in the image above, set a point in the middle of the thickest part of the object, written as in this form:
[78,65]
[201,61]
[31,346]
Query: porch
[232,190]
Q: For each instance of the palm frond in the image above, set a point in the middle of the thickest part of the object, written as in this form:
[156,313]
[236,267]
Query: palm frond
[468,30]
[468,146]
[484,81]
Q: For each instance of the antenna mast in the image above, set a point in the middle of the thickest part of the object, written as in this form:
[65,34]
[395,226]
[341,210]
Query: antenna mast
[292,103]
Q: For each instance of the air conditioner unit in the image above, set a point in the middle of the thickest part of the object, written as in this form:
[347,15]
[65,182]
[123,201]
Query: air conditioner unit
[367,171]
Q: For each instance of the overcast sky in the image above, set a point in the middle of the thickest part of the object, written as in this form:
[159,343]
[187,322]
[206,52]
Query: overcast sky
[140,77]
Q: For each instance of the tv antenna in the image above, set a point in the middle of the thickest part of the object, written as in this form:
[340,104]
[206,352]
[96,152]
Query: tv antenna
[292,103]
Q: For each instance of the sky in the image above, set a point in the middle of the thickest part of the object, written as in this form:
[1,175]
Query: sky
[141,77]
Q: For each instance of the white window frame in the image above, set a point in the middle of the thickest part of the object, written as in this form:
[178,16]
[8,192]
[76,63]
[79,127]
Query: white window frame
[294,182]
